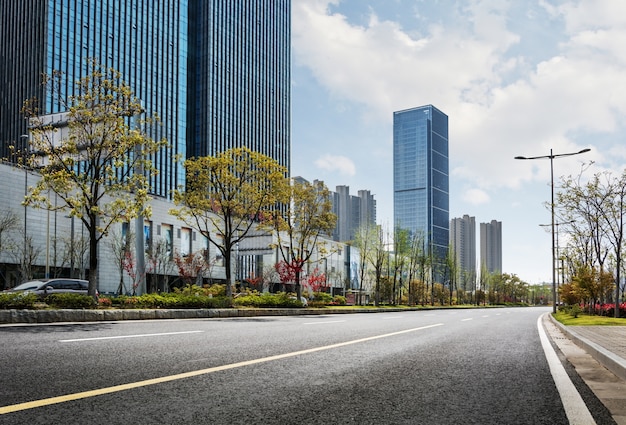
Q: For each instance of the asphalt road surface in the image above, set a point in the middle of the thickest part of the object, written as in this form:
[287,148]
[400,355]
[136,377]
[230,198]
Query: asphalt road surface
[484,366]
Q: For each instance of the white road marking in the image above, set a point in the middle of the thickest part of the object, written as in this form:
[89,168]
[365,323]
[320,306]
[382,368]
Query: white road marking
[128,336]
[465,320]
[575,408]
[117,388]
[324,323]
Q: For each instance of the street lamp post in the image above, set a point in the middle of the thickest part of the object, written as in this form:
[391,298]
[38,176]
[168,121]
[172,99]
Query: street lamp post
[551,157]
[558,252]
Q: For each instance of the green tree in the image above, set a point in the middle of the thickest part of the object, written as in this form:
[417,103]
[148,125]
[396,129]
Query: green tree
[93,169]
[451,272]
[301,224]
[377,258]
[364,239]
[600,203]
[227,195]
[402,250]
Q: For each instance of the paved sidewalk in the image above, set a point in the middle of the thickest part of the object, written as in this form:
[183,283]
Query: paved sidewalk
[606,344]
[598,353]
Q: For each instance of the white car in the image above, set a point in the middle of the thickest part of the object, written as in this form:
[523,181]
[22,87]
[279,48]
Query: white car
[44,287]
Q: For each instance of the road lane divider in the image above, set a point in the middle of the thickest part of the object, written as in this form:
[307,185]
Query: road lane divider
[129,336]
[325,322]
[131,385]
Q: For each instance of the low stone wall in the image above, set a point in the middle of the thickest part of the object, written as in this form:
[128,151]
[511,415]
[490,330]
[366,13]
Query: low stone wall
[56,316]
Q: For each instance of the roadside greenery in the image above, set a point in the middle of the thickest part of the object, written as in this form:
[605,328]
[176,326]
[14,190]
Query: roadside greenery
[16,300]
[567,318]
[68,300]
[92,167]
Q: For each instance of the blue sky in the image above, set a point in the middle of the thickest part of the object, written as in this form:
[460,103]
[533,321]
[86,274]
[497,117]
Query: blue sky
[514,77]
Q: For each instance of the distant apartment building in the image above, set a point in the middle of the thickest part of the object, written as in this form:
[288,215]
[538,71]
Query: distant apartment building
[463,242]
[420,176]
[352,212]
[491,246]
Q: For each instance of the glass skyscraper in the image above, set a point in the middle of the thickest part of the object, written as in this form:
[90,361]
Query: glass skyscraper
[420,175]
[240,77]
[216,72]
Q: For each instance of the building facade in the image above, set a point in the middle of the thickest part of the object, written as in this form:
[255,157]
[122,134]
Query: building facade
[463,242]
[240,77]
[216,73]
[420,176]
[54,243]
[491,246]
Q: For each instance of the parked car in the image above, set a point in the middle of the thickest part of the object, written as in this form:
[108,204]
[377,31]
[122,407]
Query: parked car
[44,287]
[303,300]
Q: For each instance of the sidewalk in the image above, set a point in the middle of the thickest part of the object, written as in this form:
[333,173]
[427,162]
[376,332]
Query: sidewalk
[598,353]
[606,344]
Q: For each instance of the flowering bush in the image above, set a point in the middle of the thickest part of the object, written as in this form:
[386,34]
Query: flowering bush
[608,309]
[104,302]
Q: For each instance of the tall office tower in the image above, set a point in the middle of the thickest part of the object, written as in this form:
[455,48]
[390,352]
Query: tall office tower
[491,246]
[146,40]
[463,241]
[216,72]
[420,176]
[239,91]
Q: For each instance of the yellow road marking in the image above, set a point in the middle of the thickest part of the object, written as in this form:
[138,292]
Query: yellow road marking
[116,388]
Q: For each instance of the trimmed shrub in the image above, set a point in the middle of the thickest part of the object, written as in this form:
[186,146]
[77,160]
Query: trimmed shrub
[339,300]
[323,297]
[18,300]
[170,300]
[267,299]
[68,300]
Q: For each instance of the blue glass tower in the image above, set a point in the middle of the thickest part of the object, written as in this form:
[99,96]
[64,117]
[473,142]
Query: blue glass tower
[420,175]
[216,72]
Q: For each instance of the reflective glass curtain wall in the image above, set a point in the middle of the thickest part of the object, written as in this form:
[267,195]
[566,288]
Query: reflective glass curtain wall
[240,61]
[420,175]
[146,40]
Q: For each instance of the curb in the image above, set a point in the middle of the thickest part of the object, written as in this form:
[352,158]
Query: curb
[609,360]
[9,317]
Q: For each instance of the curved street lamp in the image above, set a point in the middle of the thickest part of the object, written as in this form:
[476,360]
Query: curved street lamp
[552,156]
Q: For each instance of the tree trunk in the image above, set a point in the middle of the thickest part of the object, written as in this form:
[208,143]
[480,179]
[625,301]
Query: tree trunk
[229,275]
[93,257]
[298,286]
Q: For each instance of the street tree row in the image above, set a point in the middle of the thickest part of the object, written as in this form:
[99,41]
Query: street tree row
[100,164]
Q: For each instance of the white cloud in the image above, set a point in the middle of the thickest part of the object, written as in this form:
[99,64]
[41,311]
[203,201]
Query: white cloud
[515,78]
[343,165]
[461,69]
[476,197]
[387,68]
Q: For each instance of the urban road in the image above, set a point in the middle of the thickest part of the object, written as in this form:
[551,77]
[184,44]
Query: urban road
[485,366]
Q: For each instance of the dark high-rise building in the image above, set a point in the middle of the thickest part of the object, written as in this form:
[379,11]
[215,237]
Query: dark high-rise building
[420,176]
[491,246]
[216,72]
[239,68]
[352,212]
[463,241]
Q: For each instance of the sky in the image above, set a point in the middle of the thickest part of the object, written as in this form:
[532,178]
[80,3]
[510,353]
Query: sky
[514,77]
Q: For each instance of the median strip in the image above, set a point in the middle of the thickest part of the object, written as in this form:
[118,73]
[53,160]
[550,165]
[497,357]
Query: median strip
[117,388]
